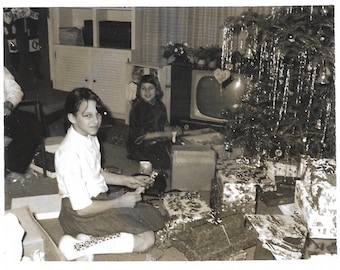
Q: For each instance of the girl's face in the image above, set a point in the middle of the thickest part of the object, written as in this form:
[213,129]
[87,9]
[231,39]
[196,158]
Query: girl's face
[148,92]
[87,120]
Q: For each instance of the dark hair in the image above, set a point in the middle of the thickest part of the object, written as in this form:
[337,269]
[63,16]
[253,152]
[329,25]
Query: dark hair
[153,80]
[76,97]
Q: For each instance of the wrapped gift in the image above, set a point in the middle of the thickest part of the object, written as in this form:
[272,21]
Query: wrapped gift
[194,229]
[237,191]
[315,196]
[317,205]
[205,239]
[288,169]
[283,235]
[183,207]
[247,170]
[314,170]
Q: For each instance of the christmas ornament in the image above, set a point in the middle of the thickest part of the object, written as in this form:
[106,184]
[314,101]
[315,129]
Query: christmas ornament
[221,75]
[234,91]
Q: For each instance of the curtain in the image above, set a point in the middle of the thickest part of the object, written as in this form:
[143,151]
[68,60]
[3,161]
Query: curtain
[198,26]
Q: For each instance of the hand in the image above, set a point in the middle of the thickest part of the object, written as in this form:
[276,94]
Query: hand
[136,181]
[176,129]
[8,107]
[130,199]
[7,141]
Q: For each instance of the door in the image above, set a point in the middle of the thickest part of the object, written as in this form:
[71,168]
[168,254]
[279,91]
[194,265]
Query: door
[73,68]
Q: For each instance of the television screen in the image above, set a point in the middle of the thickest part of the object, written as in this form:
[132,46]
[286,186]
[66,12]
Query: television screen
[208,99]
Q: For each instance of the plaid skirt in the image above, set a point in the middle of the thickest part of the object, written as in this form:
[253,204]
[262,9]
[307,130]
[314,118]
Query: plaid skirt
[143,217]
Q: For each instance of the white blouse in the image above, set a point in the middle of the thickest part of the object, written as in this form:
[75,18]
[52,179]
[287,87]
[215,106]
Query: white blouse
[78,169]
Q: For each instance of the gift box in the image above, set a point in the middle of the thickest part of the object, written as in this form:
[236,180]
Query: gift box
[283,235]
[199,234]
[317,205]
[314,170]
[205,239]
[192,167]
[237,191]
[245,169]
[315,196]
[37,244]
[183,207]
[288,169]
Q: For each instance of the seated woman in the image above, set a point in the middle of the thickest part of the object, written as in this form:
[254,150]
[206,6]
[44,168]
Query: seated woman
[150,135]
[22,133]
[102,222]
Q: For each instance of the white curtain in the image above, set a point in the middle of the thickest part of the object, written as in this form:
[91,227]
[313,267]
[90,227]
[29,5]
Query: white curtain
[198,26]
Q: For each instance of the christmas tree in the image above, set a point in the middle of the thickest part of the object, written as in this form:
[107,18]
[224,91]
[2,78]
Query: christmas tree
[288,58]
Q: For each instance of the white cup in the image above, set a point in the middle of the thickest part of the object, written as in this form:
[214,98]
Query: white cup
[145,167]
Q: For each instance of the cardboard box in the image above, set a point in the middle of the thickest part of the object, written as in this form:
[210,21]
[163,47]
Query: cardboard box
[192,167]
[36,238]
[42,206]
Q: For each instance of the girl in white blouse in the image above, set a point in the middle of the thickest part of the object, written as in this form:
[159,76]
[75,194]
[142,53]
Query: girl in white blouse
[95,220]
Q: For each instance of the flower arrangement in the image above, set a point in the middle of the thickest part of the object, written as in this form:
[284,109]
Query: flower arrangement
[177,52]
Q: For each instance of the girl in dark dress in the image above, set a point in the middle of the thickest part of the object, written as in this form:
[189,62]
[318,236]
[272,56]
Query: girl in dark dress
[149,132]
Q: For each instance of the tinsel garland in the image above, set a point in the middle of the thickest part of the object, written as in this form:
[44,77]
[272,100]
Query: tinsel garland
[288,105]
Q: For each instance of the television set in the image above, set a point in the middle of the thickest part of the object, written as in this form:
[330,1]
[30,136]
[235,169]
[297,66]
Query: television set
[209,100]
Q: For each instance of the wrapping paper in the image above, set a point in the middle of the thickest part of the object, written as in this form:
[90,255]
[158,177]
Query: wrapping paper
[283,235]
[317,205]
[194,230]
[183,207]
[315,196]
[245,171]
[316,170]
[288,169]
[237,193]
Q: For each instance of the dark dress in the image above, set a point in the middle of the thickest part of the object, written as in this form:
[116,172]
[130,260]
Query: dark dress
[145,118]
[26,133]
[143,217]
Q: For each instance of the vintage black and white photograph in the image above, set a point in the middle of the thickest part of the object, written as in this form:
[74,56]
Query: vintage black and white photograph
[169,133]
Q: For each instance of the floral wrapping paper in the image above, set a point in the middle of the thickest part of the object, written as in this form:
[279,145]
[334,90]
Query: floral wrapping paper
[185,206]
[237,192]
[194,230]
[319,212]
[315,196]
[283,235]
[316,170]
[288,169]
[242,170]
